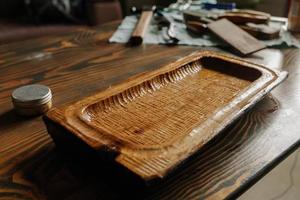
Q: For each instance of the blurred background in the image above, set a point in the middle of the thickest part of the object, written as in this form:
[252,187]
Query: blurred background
[25,19]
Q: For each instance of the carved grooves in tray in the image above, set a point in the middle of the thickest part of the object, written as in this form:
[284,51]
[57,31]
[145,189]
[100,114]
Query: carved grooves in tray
[146,87]
[157,112]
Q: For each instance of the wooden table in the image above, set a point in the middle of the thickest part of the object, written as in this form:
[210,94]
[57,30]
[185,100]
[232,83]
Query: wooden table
[77,65]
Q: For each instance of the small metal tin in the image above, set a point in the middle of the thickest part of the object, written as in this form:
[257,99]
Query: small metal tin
[32,99]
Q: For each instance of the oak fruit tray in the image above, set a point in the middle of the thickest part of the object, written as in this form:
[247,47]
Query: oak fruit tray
[154,121]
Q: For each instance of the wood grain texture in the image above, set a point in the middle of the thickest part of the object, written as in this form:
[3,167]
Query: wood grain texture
[154,121]
[83,63]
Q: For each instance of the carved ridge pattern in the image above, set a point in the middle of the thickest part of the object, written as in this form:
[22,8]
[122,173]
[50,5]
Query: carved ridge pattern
[149,86]
[175,98]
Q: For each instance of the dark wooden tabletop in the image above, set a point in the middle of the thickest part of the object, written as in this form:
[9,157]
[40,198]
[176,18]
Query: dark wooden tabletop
[82,63]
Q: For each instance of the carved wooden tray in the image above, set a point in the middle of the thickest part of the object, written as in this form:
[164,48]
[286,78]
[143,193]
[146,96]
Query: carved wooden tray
[152,122]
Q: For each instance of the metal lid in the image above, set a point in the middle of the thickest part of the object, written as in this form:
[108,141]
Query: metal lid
[31,95]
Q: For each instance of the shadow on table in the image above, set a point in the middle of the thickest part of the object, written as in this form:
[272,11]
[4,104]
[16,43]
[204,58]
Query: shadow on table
[10,118]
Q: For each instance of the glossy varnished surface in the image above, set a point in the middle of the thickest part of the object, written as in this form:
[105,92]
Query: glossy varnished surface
[79,65]
[154,121]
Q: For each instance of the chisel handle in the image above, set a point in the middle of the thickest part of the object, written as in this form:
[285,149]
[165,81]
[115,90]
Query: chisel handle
[141,27]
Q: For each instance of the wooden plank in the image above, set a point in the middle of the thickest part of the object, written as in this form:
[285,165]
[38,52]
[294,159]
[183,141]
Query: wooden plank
[235,36]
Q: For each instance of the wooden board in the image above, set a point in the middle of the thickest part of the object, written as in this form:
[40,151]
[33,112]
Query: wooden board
[154,121]
[236,37]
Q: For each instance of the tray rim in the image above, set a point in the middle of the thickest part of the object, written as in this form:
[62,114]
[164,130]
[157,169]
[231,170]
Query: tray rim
[60,115]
